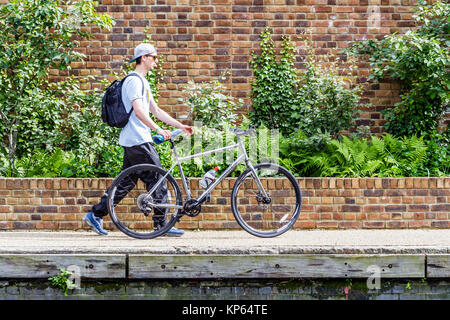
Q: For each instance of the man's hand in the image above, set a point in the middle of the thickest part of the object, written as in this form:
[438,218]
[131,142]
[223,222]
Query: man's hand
[188,129]
[167,134]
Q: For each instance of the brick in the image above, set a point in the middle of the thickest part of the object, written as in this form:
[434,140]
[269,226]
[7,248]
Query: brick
[396,225]
[440,224]
[374,225]
[390,208]
[69,209]
[5,225]
[327,225]
[351,208]
[24,209]
[373,193]
[350,225]
[374,208]
[439,192]
[5,209]
[166,9]
[395,193]
[22,225]
[423,207]
[419,224]
[441,207]
[47,209]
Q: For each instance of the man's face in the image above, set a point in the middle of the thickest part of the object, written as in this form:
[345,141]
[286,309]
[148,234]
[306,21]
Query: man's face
[150,61]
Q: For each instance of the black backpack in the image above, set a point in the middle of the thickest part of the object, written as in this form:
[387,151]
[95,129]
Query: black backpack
[113,109]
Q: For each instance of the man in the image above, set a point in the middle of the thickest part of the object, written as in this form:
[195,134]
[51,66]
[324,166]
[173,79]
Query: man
[136,137]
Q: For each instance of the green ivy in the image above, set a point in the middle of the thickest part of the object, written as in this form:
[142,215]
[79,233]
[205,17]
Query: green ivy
[274,88]
[318,100]
[419,61]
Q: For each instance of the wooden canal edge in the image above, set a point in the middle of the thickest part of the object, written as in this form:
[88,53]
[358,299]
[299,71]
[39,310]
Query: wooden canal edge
[195,266]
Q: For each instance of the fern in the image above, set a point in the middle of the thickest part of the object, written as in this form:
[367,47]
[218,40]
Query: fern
[371,167]
[393,145]
[379,147]
[317,165]
[385,156]
[417,149]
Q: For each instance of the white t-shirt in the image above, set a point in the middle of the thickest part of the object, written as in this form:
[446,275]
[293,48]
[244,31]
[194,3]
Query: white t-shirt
[135,132]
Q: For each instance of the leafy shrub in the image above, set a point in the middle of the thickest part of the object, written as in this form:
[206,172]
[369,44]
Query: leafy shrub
[110,162]
[72,164]
[327,101]
[209,104]
[37,36]
[438,150]
[84,131]
[419,60]
[214,112]
[68,164]
[316,101]
[304,155]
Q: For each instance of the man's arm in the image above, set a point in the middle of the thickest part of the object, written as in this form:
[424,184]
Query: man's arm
[145,118]
[166,118]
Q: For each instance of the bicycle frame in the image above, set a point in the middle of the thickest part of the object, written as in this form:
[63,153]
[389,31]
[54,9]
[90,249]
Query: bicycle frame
[242,157]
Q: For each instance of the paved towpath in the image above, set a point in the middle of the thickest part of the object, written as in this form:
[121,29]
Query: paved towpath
[232,242]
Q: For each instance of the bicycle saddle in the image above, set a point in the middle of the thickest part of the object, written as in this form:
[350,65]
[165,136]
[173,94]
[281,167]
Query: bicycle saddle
[239,132]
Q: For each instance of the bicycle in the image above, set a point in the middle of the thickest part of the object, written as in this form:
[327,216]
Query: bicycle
[264,208]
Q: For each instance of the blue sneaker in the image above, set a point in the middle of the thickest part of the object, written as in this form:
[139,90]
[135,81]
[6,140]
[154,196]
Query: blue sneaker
[95,222]
[174,232]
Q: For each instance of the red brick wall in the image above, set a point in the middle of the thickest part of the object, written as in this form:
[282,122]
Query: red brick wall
[328,203]
[202,38]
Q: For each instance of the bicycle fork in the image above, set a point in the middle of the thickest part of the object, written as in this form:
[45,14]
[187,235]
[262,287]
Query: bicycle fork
[252,169]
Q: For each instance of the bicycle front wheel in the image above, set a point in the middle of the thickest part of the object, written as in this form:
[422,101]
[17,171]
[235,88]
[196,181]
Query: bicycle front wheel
[132,206]
[266,202]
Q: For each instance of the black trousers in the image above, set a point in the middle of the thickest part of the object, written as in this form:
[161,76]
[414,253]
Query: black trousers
[140,154]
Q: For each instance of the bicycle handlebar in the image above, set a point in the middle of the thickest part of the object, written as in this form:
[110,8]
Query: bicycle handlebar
[157,138]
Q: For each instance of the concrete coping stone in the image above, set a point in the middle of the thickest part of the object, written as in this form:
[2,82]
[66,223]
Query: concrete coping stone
[231,243]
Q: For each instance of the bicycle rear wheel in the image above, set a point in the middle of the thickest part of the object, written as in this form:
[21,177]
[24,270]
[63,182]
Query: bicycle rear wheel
[268,216]
[131,206]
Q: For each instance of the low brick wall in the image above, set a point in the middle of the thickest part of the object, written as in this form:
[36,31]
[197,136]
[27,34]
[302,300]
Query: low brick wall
[328,203]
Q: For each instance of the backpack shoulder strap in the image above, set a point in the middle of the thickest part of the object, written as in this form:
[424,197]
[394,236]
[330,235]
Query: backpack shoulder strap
[134,74]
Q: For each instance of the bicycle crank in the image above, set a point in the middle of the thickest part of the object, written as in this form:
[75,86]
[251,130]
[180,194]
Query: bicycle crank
[192,208]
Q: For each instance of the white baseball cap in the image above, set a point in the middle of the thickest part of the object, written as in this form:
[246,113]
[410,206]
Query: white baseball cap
[142,50]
